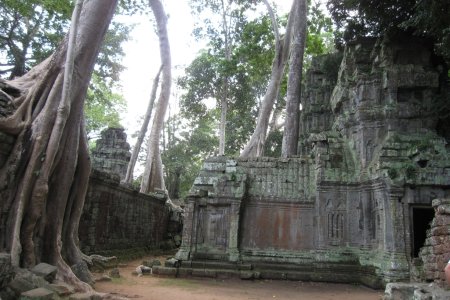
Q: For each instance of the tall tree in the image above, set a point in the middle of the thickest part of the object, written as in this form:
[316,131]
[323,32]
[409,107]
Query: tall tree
[249,73]
[255,146]
[141,134]
[231,16]
[291,127]
[44,180]
[153,173]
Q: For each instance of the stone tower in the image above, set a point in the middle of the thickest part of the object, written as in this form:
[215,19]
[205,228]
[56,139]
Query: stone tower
[112,152]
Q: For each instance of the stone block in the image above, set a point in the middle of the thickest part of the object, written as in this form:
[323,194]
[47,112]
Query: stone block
[20,285]
[246,275]
[172,263]
[184,272]
[399,291]
[48,272]
[164,271]
[204,273]
[38,294]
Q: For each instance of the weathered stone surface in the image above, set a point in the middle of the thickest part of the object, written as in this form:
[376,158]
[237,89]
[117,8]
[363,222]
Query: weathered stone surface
[150,264]
[112,152]
[172,263]
[419,291]
[116,217]
[436,251]
[48,272]
[38,294]
[164,271]
[20,285]
[355,202]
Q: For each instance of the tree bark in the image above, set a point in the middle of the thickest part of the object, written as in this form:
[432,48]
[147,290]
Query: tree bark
[225,87]
[255,146]
[153,175]
[129,176]
[44,179]
[291,128]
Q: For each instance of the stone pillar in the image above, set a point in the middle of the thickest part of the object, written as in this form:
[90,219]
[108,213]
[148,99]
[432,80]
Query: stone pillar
[233,239]
[394,264]
[188,230]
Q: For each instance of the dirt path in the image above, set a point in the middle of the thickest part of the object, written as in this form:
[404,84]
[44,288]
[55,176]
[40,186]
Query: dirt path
[154,287]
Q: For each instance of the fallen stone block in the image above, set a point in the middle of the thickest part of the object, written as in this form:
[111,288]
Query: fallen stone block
[172,263]
[38,294]
[20,285]
[61,288]
[48,272]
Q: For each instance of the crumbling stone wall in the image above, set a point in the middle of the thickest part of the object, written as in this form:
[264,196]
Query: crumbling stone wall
[436,252]
[370,151]
[112,152]
[116,217]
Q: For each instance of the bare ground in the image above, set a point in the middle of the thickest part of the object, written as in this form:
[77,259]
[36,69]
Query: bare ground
[154,287]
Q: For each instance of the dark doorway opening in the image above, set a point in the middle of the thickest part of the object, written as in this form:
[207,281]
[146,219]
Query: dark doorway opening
[421,218]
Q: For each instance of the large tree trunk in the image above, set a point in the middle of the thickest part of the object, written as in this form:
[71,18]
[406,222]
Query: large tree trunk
[153,173]
[129,176]
[291,128]
[44,180]
[255,146]
[225,85]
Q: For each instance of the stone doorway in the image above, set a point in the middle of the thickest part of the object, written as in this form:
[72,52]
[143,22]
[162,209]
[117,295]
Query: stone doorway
[421,219]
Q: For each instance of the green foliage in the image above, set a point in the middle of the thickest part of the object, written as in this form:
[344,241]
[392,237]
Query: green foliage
[30,31]
[320,34]
[187,146]
[102,106]
[375,17]
[330,65]
[247,71]
[272,147]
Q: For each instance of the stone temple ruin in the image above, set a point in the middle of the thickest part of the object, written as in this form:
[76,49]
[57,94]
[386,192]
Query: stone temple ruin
[356,203]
